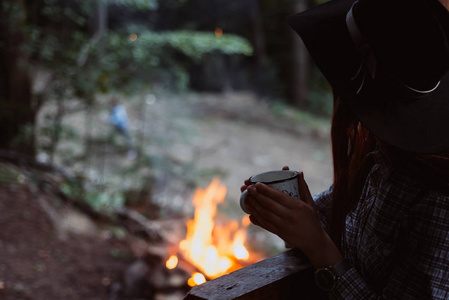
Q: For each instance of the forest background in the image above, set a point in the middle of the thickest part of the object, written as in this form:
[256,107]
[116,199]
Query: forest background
[170,63]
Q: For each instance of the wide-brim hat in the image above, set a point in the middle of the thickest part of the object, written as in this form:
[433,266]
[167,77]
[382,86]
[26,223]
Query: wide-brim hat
[389,61]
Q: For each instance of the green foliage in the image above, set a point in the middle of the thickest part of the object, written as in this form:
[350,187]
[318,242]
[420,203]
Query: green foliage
[152,56]
[50,131]
[58,13]
[103,200]
[85,64]
[320,101]
[198,44]
[311,121]
[10,175]
[15,12]
[119,253]
[319,94]
[99,199]
[118,232]
[138,4]
[26,133]
[71,189]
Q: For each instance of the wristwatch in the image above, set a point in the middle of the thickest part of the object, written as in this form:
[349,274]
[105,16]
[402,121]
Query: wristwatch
[326,278]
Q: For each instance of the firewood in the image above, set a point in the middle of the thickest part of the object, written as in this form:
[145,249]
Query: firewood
[150,227]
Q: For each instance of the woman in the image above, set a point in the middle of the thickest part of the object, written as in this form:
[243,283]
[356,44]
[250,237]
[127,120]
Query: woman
[382,230]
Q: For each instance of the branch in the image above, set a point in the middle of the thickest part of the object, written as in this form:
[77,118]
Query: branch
[25,160]
[54,217]
[99,33]
[151,228]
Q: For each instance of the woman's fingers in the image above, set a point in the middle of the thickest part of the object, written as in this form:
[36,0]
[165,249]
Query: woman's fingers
[263,217]
[282,199]
[254,220]
[304,192]
[245,186]
[268,211]
[270,203]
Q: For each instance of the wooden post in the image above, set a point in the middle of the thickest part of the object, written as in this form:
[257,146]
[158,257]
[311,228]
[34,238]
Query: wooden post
[286,276]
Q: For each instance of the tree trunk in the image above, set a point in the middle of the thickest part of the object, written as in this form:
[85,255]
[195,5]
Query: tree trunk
[258,42]
[17,116]
[300,67]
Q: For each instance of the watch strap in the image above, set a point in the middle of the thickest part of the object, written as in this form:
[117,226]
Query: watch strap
[327,278]
[341,267]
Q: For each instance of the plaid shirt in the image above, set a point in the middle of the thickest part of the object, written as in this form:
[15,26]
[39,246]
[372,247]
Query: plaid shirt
[397,238]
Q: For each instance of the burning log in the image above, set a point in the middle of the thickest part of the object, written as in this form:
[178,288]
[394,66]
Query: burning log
[138,280]
[149,276]
[150,228]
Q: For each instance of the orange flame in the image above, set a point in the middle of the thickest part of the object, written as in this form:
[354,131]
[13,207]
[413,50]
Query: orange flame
[213,248]
[218,32]
[172,262]
[196,279]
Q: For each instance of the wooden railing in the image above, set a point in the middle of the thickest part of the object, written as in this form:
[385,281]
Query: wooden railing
[286,276]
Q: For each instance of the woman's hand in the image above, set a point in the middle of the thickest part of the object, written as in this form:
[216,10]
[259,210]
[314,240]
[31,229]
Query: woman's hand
[248,183]
[295,221]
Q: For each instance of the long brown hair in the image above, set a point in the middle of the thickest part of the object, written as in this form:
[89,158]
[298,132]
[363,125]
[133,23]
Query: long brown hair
[351,143]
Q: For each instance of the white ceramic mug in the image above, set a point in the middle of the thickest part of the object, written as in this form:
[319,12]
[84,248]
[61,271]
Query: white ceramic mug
[285,181]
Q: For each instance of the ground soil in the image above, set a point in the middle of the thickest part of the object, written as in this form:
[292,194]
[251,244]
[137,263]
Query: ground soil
[243,136]
[36,264]
[235,133]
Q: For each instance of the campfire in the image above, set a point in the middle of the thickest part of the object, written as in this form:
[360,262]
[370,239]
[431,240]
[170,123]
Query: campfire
[214,249]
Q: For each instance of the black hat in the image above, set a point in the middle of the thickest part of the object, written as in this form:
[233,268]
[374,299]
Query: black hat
[389,61]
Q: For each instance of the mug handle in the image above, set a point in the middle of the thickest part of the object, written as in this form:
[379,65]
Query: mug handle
[242,201]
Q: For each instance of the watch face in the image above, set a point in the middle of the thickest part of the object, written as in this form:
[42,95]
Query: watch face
[325,279]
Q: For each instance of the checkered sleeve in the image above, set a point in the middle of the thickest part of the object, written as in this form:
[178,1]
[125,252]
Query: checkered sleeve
[323,203]
[416,266]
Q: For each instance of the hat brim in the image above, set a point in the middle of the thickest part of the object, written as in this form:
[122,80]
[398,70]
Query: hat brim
[416,125]
[421,126]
